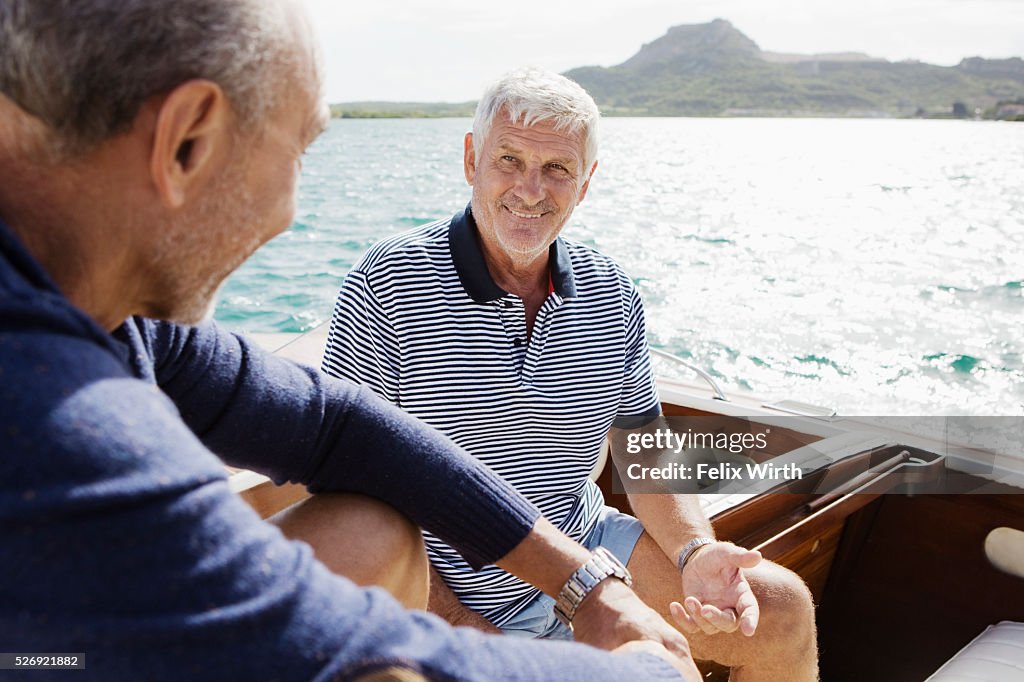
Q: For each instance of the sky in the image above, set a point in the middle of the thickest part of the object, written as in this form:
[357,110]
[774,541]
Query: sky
[449,50]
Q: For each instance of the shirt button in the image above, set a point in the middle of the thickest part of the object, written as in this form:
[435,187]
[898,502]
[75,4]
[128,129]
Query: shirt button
[517,343]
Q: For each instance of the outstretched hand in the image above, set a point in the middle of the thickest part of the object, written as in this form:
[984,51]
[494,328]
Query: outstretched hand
[716,594]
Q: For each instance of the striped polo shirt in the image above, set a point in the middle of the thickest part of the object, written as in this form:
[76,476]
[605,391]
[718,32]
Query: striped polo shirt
[420,321]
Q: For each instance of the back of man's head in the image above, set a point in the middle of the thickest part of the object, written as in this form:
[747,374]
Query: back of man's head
[531,95]
[85,67]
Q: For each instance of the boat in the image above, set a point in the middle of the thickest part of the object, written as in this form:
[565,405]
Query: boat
[910,540]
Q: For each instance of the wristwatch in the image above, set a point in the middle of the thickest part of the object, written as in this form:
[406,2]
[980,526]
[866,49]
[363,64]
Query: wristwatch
[602,564]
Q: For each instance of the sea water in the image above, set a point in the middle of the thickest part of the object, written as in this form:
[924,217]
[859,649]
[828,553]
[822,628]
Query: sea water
[875,266]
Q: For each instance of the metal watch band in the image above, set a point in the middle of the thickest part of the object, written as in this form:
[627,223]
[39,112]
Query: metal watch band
[602,564]
[689,548]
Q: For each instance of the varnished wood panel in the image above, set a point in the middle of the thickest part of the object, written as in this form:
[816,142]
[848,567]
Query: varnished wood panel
[812,559]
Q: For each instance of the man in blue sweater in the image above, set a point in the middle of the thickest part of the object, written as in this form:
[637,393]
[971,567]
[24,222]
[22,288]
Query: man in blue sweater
[147,147]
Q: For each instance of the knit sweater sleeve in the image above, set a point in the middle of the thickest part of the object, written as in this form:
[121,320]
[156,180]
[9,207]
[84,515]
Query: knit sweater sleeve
[295,424]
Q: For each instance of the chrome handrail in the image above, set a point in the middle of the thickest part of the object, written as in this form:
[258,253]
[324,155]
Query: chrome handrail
[716,389]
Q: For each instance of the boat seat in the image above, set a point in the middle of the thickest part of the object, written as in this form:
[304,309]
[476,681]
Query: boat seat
[997,654]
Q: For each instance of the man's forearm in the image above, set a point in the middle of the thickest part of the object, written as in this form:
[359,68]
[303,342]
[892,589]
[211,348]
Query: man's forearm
[546,558]
[672,520]
[444,603]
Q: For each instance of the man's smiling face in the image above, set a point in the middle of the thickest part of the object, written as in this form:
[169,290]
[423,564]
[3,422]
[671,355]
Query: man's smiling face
[526,182]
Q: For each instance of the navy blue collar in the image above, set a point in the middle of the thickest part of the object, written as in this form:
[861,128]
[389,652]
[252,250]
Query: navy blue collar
[464,242]
[22,262]
[22,275]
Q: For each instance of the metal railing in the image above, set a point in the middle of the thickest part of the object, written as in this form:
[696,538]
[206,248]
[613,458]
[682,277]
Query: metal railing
[715,388]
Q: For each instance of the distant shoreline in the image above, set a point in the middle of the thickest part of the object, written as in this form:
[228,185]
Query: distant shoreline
[421,110]
[403,110]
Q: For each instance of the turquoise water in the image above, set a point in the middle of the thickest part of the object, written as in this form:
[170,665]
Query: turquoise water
[871,265]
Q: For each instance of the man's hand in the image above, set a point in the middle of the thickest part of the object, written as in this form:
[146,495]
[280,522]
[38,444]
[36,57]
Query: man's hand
[612,615]
[685,666]
[716,594]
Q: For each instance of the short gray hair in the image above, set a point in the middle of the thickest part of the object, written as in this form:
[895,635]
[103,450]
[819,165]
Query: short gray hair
[531,95]
[85,67]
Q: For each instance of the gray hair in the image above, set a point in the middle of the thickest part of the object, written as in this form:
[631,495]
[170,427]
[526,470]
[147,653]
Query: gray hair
[85,67]
[531,95]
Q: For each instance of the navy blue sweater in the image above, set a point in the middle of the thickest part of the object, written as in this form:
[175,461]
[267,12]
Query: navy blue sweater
[121,540]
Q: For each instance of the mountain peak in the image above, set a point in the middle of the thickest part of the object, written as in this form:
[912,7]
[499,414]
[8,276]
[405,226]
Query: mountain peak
[713,69]
[715,41]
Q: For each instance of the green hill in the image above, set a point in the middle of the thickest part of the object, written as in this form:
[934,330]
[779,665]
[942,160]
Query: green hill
[402,109]
[715,70]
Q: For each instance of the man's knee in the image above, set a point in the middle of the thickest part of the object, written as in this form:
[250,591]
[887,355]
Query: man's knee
[786,604]
[365,540]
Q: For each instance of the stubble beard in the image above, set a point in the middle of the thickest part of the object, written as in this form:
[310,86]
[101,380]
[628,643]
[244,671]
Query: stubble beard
[526,249]
[199,251]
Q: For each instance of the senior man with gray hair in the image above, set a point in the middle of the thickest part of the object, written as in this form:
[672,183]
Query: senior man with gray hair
[526,348]
[147,147]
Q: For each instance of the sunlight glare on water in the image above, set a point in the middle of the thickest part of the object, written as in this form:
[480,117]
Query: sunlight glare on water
[871,265]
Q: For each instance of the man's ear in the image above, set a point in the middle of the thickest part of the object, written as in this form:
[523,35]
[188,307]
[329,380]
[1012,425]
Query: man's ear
[193,122]
[586,184]
[469,158]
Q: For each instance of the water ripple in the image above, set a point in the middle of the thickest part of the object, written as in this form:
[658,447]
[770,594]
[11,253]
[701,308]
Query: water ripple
[871,265]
